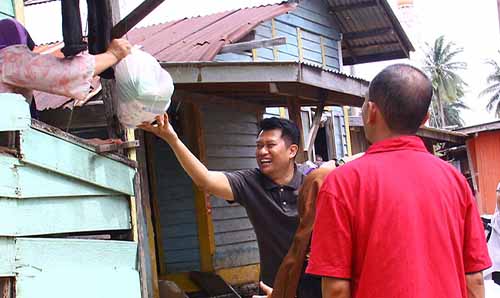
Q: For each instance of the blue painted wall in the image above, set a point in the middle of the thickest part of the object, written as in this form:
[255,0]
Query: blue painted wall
[315,23]
[179,230]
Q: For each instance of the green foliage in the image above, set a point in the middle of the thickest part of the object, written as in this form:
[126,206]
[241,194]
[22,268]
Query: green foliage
[493,89]
[441,65]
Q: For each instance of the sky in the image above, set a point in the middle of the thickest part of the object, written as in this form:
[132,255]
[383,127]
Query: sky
[472,25]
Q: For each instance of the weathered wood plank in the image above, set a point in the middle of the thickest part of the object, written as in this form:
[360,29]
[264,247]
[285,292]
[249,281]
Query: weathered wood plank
[315,17]
[183,267]
[217,163]
[172,243]
[233,57]
[180,230]
[297,21]
[15,112]
[235,237]
[248,45]
[232,127]
[236,255]
[182,255]
[41,216]
[180,217]
[80,283]
[231,139]
[69,159]
[7,256]
[47,254]
[228,225]
[75,268]
[21,180]
[233,151]
[228,212]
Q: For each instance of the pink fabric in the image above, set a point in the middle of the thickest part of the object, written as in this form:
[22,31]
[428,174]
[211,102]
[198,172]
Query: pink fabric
[22,71]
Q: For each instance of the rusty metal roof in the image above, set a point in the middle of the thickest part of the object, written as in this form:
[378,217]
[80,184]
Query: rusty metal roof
[371,31]
[201,38]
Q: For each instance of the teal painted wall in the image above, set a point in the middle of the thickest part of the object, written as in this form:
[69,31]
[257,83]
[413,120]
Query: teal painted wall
[6,9]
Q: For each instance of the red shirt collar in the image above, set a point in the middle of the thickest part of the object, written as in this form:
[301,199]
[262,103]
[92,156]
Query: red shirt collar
[398,143]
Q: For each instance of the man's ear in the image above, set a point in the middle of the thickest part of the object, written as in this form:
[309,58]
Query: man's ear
[425,119]
[371,112]
[294,149]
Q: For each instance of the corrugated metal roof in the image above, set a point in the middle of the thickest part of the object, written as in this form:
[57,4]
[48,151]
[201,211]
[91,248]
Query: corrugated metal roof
[371,31]
[201,38]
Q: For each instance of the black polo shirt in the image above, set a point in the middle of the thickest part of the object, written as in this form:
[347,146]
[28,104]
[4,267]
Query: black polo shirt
[272,210]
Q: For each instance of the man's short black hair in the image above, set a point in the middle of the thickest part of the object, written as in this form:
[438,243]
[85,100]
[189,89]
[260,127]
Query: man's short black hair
[403,94]
[289,130]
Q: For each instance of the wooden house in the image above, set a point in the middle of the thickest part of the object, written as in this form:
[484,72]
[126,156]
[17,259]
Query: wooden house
[483,149]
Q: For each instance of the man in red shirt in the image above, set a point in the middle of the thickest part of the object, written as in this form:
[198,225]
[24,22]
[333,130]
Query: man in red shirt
[398,222]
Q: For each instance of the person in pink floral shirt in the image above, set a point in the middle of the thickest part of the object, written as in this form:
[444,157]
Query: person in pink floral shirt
[22,71]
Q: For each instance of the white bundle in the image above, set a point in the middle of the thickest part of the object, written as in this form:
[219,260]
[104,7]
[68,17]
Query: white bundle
[143,88]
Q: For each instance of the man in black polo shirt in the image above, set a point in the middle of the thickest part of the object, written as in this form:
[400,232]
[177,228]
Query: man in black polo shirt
[269,193]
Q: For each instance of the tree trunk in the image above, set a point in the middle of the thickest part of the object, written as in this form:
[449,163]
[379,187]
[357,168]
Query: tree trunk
[441,111]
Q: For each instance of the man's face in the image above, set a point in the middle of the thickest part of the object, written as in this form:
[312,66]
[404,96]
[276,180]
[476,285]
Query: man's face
[272,153]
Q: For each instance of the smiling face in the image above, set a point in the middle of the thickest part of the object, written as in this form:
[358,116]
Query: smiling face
[274,156]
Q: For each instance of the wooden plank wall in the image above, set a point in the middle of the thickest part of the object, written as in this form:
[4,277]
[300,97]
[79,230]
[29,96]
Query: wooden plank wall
[318,30]
[176,204]
[230,141]
[487,156]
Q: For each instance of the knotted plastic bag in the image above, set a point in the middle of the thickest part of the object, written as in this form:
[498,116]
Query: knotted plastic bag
[143,88]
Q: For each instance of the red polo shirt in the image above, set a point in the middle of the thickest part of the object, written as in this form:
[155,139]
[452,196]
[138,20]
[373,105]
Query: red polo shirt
[398,222]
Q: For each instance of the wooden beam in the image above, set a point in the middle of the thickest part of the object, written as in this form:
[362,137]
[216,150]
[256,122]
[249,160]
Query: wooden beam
[134,17]
[368,33]
[347,130]
[249,45]
[273,34]
[293,105]
[315,127]
[375,46]
[200,98]
[374,57]
[299,45]
[354,6]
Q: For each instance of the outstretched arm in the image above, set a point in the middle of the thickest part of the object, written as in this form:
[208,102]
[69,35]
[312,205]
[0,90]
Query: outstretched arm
[213,182]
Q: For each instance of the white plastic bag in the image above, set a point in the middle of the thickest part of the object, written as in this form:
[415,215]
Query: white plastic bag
[143,88]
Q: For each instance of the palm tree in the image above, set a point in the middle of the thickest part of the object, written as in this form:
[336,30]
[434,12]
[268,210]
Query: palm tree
[493,90]
[447,85]
[451,111]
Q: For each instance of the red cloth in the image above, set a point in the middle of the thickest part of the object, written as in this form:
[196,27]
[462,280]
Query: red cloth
[398,222]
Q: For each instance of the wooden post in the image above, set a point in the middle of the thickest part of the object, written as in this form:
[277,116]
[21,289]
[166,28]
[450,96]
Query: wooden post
[347,130]
[115,130]
[192,125]
[7,287]
[145,204]
[315,127]
[294,114]
[151,162]
[139,204]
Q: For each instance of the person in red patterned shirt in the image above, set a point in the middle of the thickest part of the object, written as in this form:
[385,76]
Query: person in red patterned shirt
[398,221]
